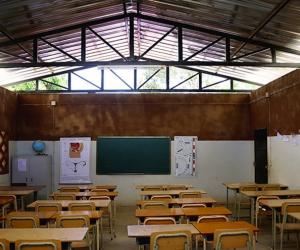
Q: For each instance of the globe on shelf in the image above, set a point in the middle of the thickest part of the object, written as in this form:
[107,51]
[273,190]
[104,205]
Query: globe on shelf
[38,146]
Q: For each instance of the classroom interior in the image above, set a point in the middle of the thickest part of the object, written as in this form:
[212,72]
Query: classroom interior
[265,34]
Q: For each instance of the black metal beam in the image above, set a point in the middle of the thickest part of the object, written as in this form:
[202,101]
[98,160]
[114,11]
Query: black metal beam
[159,40]
[59,49]
[83,44]
[213,84]
[175,86]
[120,78]
[149,63]
[16,56]
[55,84]
[250,53]
[179,37]
[204,48]
[273,54]
[131,38]
[107,43]
[168,77]
[147,80]
[86,80]
[35,50]
[227,49]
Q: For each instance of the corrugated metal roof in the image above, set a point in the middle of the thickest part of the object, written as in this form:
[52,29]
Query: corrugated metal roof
[29,17]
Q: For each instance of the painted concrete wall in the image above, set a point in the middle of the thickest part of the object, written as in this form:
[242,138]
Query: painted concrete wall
[284,160]
[217,162]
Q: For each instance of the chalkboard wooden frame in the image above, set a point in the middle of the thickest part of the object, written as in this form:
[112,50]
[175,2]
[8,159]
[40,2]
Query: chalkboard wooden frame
[123,155]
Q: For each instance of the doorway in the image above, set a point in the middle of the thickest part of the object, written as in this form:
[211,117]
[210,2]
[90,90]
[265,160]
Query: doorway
[261,155]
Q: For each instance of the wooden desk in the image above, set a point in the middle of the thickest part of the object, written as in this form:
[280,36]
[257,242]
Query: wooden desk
[142,233]
[141,214]
[209,201]
[111,188]
[207,229]
[65,235]
[164,186]
[235,186]
[252,195]
[65,203]
[174,193]
[205,211]
[19,194]
[295,215]
[35,189]
[275,205]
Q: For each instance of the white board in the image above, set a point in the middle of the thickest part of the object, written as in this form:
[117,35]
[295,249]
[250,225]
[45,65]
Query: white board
[185,155]
[75,160]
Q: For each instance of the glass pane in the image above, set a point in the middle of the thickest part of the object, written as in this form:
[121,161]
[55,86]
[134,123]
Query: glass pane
[112,82]
[26,86]
[210,79]
[221,86]
[178,75]
[158,81]
[244,86]
[61,80]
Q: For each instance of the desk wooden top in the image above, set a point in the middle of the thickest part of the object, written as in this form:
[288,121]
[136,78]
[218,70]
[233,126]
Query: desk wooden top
[5,200]
[271,192]
[14,188]
[65,203]
[208,228]
[203,211]
[17,192]
[147,230]
[295,215]
[53,215]
[163,212]
[62,234]
[164,186]
[88,194]
[90,187]
[276,203]
[181,201]
[170,192]
[237,185]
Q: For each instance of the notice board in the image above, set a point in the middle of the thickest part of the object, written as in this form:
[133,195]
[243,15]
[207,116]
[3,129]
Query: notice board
[133,155]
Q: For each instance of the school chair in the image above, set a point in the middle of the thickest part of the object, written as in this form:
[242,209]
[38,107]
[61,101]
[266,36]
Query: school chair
[291,227]
[82,206]
[38,245]
[193,205]
[153,188]
[99,190]
[4,244]
[176,240]
[159,221]
[270,187]
[47,207]
[164,197]
[176,187]
[189,195]
[107,212]
[22,221]
[69,189]
[64,196]
[155,205]
[262,211]
[243,202]
[76,221]
[209,218]
[227,239]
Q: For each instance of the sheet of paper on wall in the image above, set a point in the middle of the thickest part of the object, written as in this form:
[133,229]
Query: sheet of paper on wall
[185,155]
[22,165]
[75,160]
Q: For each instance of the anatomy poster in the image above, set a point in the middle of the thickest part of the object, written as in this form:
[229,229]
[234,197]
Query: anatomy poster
[75,160]
[185,155]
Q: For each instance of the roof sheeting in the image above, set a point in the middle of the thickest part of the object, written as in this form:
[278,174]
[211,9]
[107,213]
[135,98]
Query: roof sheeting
[28,17]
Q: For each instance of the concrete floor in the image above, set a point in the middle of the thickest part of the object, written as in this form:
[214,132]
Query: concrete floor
[125,216]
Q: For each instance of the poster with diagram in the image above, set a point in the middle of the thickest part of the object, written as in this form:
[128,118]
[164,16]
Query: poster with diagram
[185,155]
[75,160]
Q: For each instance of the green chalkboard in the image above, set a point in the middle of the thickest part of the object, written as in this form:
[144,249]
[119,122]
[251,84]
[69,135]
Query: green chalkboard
[133,155]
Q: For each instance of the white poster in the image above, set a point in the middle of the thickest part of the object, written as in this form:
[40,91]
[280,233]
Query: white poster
[185,155]
[75,160]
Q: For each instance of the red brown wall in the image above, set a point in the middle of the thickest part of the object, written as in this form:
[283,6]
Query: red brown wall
[276,106]
[8,110]
[208,116]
